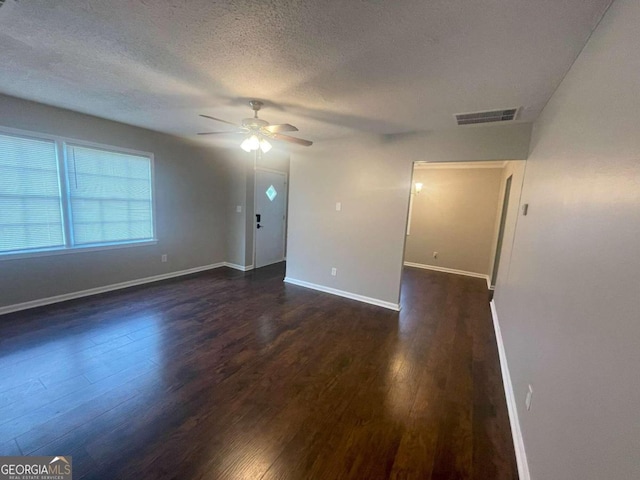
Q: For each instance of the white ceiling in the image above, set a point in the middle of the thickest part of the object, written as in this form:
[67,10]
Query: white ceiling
[327,66]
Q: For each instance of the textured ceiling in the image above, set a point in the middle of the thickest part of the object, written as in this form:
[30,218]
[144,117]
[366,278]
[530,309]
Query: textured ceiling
[327,66]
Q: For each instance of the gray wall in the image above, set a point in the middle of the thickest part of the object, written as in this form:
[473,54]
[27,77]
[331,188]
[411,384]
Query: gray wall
[454,215]
[190,193]
[569,306]
[371,177]
[238,166]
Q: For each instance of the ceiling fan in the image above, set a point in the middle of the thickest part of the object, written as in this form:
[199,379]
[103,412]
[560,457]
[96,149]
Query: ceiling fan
[257,132]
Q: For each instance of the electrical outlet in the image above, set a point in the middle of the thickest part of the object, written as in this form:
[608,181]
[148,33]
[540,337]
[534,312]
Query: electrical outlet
[239,209]
[435,254]
[163,258]
[338,206]
[334,271]
[527,400]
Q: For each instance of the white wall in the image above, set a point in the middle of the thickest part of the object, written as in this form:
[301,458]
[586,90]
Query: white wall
[569,305]
[371,177]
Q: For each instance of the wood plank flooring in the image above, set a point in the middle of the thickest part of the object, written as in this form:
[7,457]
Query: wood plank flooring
[230,375]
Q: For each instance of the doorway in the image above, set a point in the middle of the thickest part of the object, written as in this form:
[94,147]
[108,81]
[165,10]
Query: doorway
[270,216]
[453,217]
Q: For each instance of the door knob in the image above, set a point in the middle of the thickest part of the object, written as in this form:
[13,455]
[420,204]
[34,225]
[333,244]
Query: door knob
[258,226]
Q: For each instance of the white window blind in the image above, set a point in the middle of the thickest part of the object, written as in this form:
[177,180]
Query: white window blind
[110,196]
[30,201]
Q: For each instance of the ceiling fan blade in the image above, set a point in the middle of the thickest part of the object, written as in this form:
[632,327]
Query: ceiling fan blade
[220,120]
[287,138]
[217,133]
[283,127]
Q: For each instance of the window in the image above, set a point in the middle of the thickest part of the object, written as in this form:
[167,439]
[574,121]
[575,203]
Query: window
[93,197]
[109,196]
[30,213]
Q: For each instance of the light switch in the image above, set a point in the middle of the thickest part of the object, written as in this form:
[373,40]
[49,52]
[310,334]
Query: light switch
[239,209]
[338,206]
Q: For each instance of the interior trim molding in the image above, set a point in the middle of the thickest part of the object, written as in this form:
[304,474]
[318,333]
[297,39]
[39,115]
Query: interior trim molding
[341,293]
[235,266]
[450,270]
[107,288]
[459,165]
[516,432]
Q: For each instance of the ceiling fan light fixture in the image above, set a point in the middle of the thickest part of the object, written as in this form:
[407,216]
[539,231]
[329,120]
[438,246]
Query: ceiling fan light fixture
[265,146]
[251,143]
[254,142]
[246,145]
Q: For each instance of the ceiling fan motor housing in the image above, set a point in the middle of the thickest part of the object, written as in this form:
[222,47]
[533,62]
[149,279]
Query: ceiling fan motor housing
[256,105]
[254,123]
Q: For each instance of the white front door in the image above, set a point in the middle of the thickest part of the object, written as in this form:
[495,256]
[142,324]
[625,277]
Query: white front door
[271,201]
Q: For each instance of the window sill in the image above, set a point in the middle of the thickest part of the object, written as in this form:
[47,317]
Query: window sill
[66,251]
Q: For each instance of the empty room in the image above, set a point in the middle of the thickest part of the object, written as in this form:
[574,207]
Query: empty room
[319,240]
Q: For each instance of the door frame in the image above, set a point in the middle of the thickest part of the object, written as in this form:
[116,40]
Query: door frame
[504,211]
[255,207]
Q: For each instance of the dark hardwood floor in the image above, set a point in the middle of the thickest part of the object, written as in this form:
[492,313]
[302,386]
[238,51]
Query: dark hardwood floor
[239,376]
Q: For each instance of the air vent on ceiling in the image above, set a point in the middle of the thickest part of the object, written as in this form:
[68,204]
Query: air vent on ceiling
[506,115]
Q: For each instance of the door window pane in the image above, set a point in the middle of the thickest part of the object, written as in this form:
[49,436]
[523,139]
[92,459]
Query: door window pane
[271,193]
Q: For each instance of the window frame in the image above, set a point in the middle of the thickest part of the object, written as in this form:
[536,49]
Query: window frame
[61,143]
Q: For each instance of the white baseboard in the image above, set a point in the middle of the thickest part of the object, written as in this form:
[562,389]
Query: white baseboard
[107,288]
[235,266]
[450,270]
[489,286]
[516,432]
[342,293]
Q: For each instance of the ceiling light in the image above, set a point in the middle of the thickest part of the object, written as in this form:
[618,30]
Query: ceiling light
[265,146]
[246,145]
[251,143]
[254,142]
